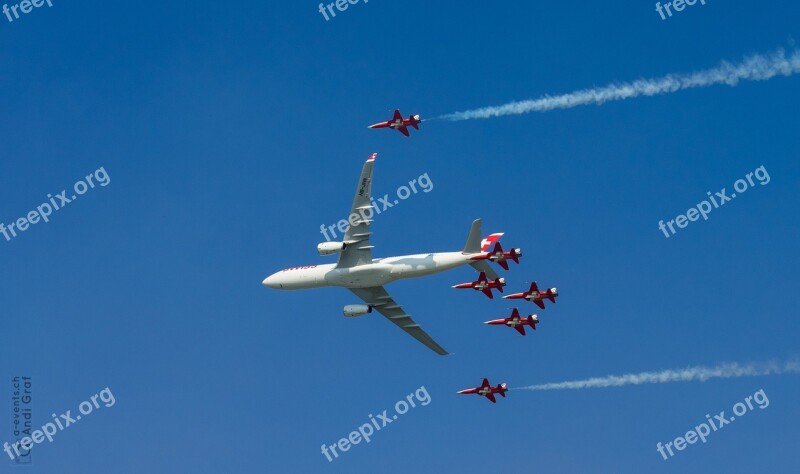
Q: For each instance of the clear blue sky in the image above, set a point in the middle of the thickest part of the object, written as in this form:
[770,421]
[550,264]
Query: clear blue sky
[232,131]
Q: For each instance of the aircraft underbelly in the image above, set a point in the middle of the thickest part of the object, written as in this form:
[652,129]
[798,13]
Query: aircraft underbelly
[413,267]
[363,276]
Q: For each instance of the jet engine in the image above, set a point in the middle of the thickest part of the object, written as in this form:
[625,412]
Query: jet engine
[330,248]
[353,310]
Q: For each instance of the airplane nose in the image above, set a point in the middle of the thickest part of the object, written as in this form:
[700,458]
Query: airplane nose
[270,282]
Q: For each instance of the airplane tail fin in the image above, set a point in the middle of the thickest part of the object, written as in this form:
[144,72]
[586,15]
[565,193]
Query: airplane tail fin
[489,240]
[532,322]
[473,244]
[551,294]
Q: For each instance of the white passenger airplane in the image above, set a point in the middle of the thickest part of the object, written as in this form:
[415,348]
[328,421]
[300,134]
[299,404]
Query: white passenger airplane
[357,271]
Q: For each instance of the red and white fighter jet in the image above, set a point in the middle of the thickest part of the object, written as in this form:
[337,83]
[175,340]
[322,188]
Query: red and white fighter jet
[485,285]
[535,296]
[486,390]
[498,256]
[516,321]
[399,123]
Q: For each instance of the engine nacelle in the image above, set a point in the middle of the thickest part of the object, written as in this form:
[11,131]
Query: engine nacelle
[330,248]
[353,310]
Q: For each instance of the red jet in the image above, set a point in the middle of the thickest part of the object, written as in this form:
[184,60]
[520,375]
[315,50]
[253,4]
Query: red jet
[516,322]
[535,296]
[484,285]
[499,257]
[486,390]
[399,123]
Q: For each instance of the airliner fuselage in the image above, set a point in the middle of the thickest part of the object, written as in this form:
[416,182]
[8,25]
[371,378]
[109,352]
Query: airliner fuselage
[380,272]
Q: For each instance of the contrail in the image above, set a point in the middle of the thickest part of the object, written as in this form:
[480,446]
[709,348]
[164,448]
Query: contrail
[758,67]
[691,374]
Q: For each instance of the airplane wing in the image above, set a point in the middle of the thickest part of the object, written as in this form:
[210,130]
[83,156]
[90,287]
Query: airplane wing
[378,298]
[484,267]
[358,249]
[404,130]
[539,303]
[520,329]
[397,115]
[491,398]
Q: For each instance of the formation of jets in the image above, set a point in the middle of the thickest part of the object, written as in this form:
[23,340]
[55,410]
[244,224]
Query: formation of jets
[366,277]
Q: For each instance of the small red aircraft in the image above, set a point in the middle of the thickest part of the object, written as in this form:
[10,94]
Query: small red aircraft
[484,285]
[516,322]
[486,390]
[535,296]
[399,123]
[499,257]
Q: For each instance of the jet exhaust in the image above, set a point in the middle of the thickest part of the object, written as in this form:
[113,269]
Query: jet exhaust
[758,67]
[691,374]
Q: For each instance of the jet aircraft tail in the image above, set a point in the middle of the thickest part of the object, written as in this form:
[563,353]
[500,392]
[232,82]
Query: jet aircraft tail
[473,244]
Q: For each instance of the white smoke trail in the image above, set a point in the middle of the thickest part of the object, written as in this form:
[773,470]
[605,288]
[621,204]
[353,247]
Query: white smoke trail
[754,68]
[700,374]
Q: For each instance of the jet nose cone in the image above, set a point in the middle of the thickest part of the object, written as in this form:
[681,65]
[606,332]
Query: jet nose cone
[271,282]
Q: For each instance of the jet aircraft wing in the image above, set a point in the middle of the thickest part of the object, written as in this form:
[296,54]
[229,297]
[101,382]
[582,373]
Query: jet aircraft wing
[484,267]
[358,250]
[378,298]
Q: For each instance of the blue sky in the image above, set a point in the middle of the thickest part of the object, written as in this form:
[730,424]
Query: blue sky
[231,132]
